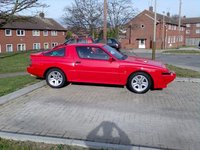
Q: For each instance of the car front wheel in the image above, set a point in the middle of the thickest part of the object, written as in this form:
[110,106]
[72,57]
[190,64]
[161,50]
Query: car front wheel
[55,78]
[139,82]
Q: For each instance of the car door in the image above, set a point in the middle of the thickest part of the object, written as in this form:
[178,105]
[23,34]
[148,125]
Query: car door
[94,65]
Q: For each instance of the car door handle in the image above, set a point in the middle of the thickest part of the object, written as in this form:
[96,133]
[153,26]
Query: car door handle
[77,62]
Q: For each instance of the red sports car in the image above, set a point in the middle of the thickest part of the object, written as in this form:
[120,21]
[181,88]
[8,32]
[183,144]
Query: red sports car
[98,63]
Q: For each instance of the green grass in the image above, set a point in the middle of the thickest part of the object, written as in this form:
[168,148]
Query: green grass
[181,72]
[17,145]
[11,84]
[14,62]
[183,51]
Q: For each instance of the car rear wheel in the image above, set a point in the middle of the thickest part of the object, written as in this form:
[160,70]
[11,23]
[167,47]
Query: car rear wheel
[139,82]
[55,78]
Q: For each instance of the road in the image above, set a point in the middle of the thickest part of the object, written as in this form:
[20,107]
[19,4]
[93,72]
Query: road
[189,61]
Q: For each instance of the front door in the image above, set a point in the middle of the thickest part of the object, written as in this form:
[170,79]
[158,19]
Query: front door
[93,65]
[142,43]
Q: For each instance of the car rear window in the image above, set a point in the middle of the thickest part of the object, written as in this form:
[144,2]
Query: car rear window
[58,52]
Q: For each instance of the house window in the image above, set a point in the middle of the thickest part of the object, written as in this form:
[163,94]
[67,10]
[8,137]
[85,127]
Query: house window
[36,33]
[36,45]
[169,27]
[45,33]
[9,48]
[54,33]
[198,25]
[188,25]
[46,45]
[174,39]
[8,32]
[21,47]
[20,32]
[197,31]
[54,44]
[187,31]
[169,39]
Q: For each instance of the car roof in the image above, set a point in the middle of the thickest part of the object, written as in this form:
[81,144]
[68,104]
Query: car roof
[86,44]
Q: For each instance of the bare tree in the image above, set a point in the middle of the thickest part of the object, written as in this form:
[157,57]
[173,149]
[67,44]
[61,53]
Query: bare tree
[120,12]
[84,14]
[8,9]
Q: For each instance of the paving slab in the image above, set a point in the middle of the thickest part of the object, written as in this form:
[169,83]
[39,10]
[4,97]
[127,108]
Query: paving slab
[165,119]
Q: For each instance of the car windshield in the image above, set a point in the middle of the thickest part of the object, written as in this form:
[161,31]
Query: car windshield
[115,53]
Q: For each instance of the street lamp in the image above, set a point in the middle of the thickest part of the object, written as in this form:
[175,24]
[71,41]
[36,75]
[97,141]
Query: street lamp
[154,32]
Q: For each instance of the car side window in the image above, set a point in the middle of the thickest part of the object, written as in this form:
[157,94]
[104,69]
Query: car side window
[90,52]
[109,41]
[58,52]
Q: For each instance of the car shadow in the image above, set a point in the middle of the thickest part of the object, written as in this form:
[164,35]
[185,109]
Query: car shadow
[96,84]
[108,132]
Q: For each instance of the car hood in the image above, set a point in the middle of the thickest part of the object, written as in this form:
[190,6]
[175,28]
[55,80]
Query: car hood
[144,61]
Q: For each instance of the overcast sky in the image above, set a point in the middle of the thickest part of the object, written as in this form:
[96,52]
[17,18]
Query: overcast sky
[190,8]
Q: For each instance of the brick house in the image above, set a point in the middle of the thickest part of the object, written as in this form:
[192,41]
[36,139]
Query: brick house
[31,33]
[139,31]
[192,33]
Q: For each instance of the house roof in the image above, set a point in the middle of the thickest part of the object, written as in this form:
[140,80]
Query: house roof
[168,20]
[37,23]
[191,20]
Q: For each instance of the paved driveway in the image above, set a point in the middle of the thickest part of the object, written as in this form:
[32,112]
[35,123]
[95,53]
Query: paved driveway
[161,119]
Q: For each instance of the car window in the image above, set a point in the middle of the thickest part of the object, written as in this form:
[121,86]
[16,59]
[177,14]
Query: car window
[109,41]
[90,52]
[58,52]
[115,53]
[81,41]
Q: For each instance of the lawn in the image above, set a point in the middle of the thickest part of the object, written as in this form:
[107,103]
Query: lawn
[11,84]
[17,145]
[182,51]
[14,62]
[186,73]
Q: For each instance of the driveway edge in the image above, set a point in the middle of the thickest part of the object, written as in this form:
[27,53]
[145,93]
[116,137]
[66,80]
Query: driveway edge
[23,91]
[195,80]
[71,142]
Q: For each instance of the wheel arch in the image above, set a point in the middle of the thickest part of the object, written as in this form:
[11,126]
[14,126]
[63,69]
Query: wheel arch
[45,73]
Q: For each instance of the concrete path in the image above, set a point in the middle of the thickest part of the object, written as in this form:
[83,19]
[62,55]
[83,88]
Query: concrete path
[167,119]
[5,75]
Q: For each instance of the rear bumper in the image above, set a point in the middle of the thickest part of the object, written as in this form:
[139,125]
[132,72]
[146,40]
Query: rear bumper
[34,71]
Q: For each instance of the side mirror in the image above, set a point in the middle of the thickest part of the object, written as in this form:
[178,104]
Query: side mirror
[111,59]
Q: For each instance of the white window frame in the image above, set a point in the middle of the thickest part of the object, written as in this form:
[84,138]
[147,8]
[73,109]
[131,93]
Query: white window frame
[22,47]
[45,33]
[198,25]
[187,31]
[188,25]
[0,48]
[53,44]
[36,32]
[45,46]
[8,34]
[36,46]
[54,33]
[7,47]
[22,32]
[197,31]
[169,39]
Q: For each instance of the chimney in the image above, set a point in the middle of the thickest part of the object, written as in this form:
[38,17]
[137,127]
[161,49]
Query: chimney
[41,15]
[168,14]
[151,8]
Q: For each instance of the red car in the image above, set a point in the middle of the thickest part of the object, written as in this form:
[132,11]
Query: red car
[98,63]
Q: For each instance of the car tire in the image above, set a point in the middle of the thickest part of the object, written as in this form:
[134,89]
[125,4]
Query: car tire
[55,78]
[139,82]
